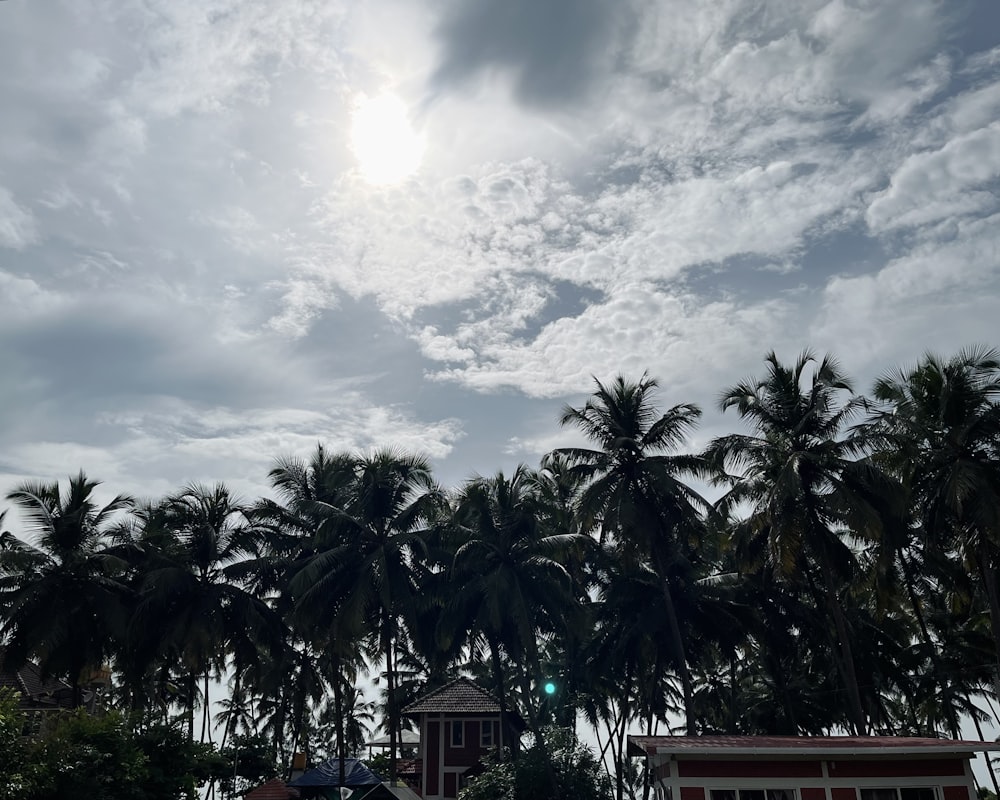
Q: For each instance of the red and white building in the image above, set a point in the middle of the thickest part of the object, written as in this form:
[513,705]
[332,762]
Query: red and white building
[809,768]
[460,723]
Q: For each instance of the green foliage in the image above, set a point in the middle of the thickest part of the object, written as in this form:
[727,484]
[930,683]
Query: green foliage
[379,764]
[858,538]
[99,757]
[249,761]
[17,775]
[176,766]
[87,756]
[577,770]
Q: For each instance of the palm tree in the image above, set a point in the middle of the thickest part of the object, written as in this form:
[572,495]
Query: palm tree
[635,492]
[191,613]
[939,430]
[798,475]
[628,645]
[302,565]
[381,543]
[62,599]
[509,586]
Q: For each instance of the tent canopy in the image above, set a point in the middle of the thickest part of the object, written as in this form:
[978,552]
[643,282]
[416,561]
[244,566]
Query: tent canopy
[328,774]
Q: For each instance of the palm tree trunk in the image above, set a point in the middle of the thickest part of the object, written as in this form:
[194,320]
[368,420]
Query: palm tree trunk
[338,711]
[192,687]
[205,710]
[774,668]
[858,719]
[619,754]
[982,738]
[536,729]
[680,656]
[498,682]
[846,660]
[390,679]
[932,652]
[989,579]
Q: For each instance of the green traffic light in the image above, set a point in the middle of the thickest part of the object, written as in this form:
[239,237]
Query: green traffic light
[550,688]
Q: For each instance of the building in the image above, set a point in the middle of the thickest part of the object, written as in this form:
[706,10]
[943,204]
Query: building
[808,768]
[459,724]
[37,692]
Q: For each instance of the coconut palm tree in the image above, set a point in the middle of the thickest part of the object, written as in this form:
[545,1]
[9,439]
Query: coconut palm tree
[635,493]
[62,599]
[509,585]
[939,430]
[797,473]
[380,543]
[191,612]
[301,568]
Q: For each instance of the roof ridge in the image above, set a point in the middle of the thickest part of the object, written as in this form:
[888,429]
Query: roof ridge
[461,678]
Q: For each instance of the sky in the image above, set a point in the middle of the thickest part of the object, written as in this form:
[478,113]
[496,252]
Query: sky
[231,229]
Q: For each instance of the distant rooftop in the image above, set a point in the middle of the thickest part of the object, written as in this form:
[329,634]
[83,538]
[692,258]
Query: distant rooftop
[36,691]
[812,746]
[460,696]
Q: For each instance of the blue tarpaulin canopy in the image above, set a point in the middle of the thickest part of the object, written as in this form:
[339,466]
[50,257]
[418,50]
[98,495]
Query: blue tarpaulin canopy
[328,774]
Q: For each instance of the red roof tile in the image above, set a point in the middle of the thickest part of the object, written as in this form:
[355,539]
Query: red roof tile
[461,696]
[274,789]
[731,746]
[35,690]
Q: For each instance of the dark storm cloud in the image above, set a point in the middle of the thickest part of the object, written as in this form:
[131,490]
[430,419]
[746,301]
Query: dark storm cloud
[554,49]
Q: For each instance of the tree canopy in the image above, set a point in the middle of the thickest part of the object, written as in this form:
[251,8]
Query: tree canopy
[830,565]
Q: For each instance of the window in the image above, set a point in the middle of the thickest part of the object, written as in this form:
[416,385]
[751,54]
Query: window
[486,739]
[764,794]
[902,793]
[456,739]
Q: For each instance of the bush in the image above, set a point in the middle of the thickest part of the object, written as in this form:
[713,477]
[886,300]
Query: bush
[577,771]
[100,758]
[17,775]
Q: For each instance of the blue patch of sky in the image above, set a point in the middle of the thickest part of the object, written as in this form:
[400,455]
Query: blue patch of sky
[357,339]
[565,299]
[751,277]
[980,28]
[489,421]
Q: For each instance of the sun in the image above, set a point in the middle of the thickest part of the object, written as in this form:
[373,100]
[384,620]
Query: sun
[384,142]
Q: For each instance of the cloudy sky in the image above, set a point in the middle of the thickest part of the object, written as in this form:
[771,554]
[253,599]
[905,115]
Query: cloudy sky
[230,229]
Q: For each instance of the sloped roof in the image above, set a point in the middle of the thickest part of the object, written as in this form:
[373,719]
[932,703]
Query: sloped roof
[461,696]
[386,791]
[805,746]
[35,690]
[274,789]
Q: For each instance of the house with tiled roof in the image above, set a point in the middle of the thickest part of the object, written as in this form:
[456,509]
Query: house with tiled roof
[459,724]
[274,789]
[36,692]
[808,767]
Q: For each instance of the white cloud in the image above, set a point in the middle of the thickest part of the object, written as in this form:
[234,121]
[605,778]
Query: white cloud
[18,227]
[206,238]
[938,296]
[21,298]
[206,57]
[638,328]
[249,439]
[935,185]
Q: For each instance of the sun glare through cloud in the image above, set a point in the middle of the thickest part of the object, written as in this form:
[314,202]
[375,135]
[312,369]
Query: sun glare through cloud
[384,142]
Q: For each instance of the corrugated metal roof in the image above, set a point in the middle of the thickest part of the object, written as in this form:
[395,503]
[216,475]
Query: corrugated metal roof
[812,746]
